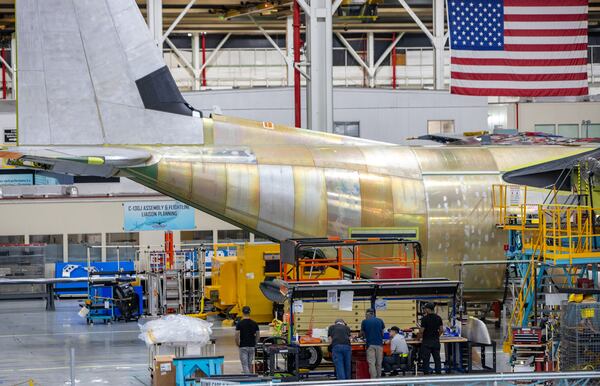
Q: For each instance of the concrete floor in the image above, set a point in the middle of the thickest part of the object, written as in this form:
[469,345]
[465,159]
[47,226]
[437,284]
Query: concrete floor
[35,344]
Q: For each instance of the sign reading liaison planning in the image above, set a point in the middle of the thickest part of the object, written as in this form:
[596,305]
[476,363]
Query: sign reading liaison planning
[157,216]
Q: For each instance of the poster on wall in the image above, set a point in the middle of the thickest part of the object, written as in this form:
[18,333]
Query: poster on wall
[157,216]
[16,179]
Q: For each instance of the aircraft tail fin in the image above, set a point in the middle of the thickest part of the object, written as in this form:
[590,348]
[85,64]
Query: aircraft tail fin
[89,73]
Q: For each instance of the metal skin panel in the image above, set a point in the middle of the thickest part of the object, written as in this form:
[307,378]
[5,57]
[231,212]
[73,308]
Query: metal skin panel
[410,208]
[455,159]
[379,160]
[284,155]
[343,201]
[276,215]
[175,177]
[461,227]
[377,206]
[509,157]
[310,218]
[339,157]
[104,55]
[209,185]
[231,130]
[243,196]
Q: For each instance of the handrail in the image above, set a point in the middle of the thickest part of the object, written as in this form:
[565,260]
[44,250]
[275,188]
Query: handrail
[535,378]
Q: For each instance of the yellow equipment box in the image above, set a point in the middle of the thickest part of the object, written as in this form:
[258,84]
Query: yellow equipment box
[236,280]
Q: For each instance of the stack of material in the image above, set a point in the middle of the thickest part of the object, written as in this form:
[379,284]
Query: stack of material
[579,336]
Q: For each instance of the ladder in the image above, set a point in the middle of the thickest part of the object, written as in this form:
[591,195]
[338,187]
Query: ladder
[172,301]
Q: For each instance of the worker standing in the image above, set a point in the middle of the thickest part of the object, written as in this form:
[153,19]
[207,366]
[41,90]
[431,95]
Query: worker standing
[398,351]
[432,328]
[341,350]
[372,330]
[247,335]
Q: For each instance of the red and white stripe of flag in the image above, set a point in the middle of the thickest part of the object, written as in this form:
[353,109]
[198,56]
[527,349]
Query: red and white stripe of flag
[545,53]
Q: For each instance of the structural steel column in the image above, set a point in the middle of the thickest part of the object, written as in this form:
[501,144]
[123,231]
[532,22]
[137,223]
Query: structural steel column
[320,84]
[289,44]
[371,58]
[438,44]
[196,60]
[297,80]
[155,19]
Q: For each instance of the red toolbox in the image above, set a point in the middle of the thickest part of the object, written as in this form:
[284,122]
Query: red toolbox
[393,272]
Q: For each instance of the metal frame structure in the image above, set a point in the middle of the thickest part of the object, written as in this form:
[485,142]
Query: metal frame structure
[319,49]
[407,255]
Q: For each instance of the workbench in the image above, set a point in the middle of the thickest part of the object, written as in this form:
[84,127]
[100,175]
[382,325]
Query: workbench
[453,358]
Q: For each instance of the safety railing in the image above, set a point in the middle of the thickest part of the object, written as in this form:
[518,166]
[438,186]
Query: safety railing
[569,233]
[563,378]
[565,231]
[334,259]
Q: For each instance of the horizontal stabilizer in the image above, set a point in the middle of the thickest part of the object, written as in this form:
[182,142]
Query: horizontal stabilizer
[553,173]
[81,160]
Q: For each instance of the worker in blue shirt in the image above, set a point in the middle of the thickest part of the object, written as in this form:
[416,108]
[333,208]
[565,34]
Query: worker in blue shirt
[372,331]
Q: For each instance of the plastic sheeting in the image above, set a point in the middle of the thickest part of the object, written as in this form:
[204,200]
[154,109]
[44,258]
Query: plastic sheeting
[176,329]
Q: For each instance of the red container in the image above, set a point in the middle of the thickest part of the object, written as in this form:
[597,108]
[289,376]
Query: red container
[360,366]
[393,272]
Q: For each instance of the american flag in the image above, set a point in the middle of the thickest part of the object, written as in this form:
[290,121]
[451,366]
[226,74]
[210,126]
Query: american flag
[527,48]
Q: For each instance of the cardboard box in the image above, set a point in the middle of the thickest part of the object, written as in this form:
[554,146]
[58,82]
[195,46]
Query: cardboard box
[164,371]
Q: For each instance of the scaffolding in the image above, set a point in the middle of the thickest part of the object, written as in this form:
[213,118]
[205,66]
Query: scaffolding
[552,243]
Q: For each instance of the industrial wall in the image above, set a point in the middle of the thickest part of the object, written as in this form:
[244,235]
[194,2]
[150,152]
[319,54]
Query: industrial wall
[563,118]
[384,115]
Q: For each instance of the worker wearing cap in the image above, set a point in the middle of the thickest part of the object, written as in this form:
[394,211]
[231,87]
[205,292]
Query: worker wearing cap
[247,335]
[432,327]
[398,350]
[372,330]
[341,351]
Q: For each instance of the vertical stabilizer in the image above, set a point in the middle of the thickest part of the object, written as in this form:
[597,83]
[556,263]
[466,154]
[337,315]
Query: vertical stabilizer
[89,73]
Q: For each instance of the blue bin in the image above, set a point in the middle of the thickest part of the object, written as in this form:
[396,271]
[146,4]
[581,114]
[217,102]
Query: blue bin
[185,367]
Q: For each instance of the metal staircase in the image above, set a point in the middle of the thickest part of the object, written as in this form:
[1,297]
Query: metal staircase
[548,241]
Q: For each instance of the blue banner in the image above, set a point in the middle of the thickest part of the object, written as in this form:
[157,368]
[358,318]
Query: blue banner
[16,179]
[157,216]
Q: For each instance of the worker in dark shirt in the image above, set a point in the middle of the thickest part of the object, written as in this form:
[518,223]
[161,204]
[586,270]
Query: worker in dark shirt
[247,334]
[341,351]
[372,330]
[432,328]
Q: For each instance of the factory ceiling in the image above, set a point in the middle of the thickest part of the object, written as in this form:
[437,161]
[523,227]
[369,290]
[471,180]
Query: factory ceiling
[221,16]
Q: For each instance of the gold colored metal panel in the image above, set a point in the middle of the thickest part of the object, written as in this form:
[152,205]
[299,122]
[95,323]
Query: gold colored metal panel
[231,130]
[510,157]
[276,214]
[339,157]
[209,186]
[376,200]
[243,194]
[343,201]
[310,206]
[283,155]
[394,161]
[175,177]
[455,159]
[461,227]
[410,209]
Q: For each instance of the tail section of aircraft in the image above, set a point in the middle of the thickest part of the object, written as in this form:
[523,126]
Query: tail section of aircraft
[89,73]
